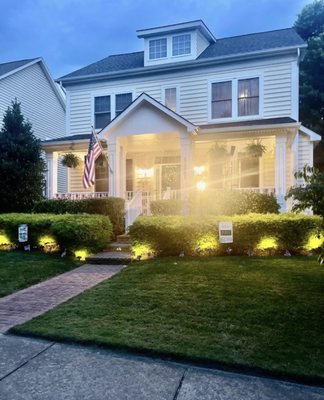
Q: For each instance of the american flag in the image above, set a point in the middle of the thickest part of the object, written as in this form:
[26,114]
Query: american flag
[94,152]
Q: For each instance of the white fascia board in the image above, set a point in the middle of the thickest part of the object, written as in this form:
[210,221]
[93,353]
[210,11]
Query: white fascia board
[249,128]
[136,103]
[36,60]
[59,93]
[314,137]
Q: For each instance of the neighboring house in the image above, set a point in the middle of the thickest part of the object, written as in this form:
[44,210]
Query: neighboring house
[42,100]
[166,114]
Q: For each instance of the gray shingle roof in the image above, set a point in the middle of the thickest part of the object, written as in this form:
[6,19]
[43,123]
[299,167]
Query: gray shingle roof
[84,136]
[10,66]
[223,47]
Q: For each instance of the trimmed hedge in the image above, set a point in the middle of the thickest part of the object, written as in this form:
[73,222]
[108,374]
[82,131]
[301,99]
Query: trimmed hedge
[166,207]
[113,207]
[71,232]
[259,233]
[233,203]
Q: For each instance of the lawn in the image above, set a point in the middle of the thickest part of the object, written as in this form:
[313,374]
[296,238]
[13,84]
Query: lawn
[19,270]
[256,313]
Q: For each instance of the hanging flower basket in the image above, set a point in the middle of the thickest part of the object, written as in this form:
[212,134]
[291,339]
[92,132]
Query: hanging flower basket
[255,148]
[218,152]
[70,160]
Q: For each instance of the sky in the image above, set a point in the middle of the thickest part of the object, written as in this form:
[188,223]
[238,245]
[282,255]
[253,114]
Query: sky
[70,34]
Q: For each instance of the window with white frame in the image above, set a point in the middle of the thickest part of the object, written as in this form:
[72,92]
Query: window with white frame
[106,108]
[181,45]
[102,111]
[122,101]
[248,97]
[245,91]
[170,98]
[157,48]
[221,100]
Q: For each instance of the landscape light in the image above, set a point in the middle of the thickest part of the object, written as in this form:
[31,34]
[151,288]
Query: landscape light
[201,186]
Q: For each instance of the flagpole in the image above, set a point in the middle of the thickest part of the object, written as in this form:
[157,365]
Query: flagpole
[102,149]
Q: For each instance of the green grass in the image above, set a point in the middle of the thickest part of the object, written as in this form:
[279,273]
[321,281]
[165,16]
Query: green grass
[19,270]
[258,313]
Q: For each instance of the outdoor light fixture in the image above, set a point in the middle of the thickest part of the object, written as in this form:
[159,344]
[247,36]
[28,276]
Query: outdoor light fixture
[199,170]
[201,186]
[144,173]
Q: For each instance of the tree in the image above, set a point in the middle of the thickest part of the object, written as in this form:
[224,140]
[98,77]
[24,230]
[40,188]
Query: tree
[21,166]
[310,26]
[310,194]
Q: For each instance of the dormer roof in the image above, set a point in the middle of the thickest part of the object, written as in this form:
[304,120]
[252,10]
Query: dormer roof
[176,28]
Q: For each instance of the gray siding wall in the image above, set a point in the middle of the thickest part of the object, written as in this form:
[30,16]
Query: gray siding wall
[275,88]
[39,103]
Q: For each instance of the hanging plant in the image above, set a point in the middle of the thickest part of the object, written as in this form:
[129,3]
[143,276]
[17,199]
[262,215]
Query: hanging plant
[218,152]
[70,160]
[255,148]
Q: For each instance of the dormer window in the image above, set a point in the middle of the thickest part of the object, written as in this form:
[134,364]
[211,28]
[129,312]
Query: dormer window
[181,45]
[158,48]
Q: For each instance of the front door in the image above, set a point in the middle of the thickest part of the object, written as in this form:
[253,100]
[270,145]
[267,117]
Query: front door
[168,179]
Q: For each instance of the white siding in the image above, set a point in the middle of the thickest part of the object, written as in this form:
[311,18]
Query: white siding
[305,150]
[276,89]
[39,103]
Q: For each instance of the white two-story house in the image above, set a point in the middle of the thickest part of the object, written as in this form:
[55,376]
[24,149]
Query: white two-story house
[188,108]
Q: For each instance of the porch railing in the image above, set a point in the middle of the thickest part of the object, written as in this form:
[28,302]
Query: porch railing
[133,208]
[80,195]
[264,190]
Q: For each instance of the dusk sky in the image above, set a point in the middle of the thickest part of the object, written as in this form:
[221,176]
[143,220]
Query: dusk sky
[70,34]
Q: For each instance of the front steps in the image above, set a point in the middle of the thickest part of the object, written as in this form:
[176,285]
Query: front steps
[118,253]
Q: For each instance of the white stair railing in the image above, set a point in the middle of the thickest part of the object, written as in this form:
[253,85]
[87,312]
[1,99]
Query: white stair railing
[134,208]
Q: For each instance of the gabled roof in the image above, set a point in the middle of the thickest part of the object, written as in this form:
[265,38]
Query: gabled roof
[222,50]
[142,98]
[313,136]
[10,68]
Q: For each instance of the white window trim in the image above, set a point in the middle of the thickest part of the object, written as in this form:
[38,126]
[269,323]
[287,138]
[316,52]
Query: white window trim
[167,48]
[181,55]
[112,102]
[177,88]
[235,116]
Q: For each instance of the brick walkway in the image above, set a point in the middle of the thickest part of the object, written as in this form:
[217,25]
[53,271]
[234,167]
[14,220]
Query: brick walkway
[26,304]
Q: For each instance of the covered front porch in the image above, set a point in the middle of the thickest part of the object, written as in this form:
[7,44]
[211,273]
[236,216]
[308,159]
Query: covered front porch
[152,153]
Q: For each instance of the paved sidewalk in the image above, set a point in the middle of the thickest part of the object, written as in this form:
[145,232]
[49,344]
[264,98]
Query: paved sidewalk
[40,370]
[26,304]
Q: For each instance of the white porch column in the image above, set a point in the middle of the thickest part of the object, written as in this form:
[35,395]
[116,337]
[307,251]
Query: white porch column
[186,149]
[114,168]
[52,162]
[281,170]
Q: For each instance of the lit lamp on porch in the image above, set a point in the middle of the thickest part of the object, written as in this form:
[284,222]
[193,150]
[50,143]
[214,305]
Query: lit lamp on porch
[199,170]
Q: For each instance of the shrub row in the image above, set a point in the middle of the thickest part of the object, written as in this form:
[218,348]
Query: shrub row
[71,232]
[233,203]
[219,203]
[113,207]
[257,233]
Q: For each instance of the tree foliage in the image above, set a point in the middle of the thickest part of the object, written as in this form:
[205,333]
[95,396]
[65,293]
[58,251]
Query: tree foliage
[310,26]
[21,166]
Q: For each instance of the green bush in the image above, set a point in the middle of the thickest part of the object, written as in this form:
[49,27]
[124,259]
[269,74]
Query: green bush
[232,203]
[166,207]
[71,232]
[113,207]
[262,234]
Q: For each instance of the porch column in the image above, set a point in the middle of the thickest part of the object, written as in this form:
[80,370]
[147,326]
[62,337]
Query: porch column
[281,170]
[52,162]
[114,168]
[186,165]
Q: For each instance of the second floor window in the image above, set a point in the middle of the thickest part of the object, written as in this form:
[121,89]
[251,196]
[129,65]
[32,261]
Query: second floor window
[181,45]
[102,111]
[221,100]
[122,101]
[248,97]
[170,98]
[106,108]
[157,48]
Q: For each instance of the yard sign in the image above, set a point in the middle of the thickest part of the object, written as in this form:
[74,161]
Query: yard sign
[23,233]
[225,230]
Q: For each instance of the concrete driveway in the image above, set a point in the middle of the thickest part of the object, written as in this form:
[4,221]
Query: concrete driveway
[41,370]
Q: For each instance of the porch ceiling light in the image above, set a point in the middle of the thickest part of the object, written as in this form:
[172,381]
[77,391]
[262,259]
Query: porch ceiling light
[199,170]
[201,186]
[144,173]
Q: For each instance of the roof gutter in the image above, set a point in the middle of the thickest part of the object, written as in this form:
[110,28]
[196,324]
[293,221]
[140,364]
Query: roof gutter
[250,128]
[180,66]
